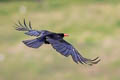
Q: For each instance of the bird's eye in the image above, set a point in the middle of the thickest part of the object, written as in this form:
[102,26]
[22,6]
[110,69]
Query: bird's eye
[58,36]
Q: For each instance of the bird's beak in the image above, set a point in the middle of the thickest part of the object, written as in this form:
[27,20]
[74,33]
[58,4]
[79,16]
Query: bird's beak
[65,35]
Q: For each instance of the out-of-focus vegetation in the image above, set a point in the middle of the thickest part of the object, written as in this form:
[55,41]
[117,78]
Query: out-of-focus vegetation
[94,28]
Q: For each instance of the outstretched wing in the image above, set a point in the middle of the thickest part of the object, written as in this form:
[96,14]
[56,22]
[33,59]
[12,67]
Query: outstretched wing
[67,49]
[28,29]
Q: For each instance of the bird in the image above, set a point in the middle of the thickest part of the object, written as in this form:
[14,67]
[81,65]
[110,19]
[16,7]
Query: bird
[56,40]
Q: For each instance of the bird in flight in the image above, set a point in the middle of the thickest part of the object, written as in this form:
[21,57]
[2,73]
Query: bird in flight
[56,40]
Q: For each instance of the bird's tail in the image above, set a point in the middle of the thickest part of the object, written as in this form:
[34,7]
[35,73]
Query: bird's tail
[34,43]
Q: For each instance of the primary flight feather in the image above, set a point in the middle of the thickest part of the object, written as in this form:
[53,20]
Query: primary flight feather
[56,40]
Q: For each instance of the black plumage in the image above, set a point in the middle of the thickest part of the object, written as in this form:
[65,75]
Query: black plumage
[56,40]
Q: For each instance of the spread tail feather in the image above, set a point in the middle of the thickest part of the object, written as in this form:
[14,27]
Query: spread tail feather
[34,43]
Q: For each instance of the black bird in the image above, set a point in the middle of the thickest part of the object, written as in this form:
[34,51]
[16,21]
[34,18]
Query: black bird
[56,40]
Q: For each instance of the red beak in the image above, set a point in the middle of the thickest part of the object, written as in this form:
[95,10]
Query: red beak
[65,35]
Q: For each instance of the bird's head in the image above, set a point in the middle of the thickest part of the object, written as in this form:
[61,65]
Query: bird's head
[63,35]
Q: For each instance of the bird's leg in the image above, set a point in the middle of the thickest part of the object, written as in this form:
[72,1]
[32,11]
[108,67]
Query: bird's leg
[46,42]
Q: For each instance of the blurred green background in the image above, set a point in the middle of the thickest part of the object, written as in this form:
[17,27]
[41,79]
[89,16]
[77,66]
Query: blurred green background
[94,29]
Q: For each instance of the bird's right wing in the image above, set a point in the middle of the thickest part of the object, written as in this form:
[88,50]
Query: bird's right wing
[28,29]
[67,49]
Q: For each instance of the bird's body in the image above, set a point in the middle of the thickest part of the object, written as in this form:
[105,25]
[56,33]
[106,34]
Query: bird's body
[57,42]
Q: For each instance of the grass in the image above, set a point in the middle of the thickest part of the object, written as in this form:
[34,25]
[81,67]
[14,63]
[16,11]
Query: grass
[94,30]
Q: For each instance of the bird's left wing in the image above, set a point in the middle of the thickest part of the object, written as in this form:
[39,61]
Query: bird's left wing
[67,49]
[28,29]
